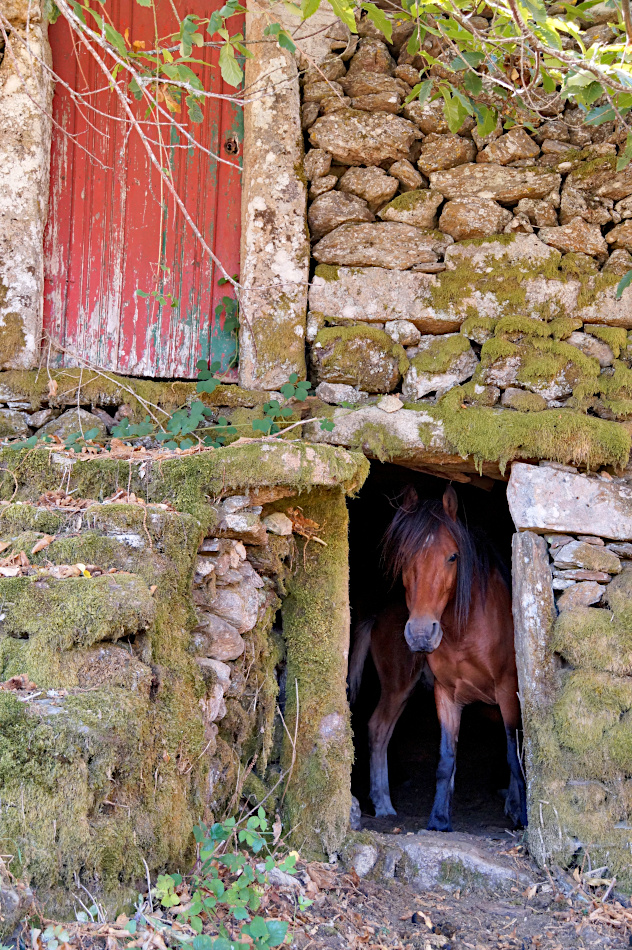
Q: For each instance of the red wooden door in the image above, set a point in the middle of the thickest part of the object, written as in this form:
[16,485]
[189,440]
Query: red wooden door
[113,229]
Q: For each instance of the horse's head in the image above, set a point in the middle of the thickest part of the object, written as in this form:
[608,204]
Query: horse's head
[430,580]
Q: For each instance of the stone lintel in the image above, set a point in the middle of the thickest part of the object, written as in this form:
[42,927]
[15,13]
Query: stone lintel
[26,92]
[409,437]
[544,499]
[275,242]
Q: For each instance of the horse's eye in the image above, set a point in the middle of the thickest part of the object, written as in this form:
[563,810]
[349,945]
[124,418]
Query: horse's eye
[453,557]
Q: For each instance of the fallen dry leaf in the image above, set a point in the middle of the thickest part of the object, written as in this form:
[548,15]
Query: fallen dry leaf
[21,682]
[4,545]
[53,386]
[42,543]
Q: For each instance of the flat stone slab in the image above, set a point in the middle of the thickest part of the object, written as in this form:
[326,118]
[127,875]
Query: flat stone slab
[432,859]
[543,499]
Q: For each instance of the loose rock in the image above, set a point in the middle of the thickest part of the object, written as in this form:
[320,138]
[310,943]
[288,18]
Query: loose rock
[407,175]
[73,421]
[473,217]
[356,138]
[334,208]
[513,146]
[396,246]
[445,151]
[506,185]
[580,595]
[588,557]
[317,163]
[577,236]
[415,207]
[372,184]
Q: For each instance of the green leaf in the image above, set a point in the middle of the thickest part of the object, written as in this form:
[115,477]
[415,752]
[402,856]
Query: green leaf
[232,72]
[623,283]
[326,425]
[473,83]
[277,929]
[454,111]
[486,119]
[195,115]
[600,115]
[547,81]
[421,91]
[344,10]
[257,928]
[115,38]
[286,42]
[467,58]
[379,19]
[137,92]
[91,434]
[144,3]
[309,8]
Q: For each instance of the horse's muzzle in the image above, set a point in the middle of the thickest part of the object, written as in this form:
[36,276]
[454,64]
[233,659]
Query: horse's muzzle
[423,634]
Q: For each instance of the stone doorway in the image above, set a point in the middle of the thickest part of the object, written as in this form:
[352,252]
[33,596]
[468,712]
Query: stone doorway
[414,747]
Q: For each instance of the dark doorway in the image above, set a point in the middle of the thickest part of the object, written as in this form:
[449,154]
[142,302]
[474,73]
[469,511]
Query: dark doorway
[482,772]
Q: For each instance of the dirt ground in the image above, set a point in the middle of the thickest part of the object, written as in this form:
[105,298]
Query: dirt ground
[392,914]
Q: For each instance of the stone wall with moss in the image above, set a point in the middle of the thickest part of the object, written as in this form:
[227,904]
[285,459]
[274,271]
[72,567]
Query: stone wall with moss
[143,656]
[572,614]
[445,263]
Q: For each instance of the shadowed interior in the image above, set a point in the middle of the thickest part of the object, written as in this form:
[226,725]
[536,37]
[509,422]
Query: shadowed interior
[414,748]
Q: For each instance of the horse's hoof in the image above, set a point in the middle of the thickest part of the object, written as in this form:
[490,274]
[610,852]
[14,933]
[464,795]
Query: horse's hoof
[437,825]
[385,812]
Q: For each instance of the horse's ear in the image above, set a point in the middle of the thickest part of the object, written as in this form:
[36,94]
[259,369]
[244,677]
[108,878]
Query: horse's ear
[410,498]
[450,502]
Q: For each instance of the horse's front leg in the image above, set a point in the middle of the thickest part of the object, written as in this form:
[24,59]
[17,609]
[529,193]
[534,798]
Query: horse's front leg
[449,714]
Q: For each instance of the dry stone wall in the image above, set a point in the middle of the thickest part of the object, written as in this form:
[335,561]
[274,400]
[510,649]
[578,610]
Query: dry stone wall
[445,260]
[572,597]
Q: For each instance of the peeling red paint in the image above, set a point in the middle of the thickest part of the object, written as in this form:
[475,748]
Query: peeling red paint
[109,229]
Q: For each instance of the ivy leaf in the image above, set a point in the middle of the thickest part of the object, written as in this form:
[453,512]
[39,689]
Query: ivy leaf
[379,19]
[195,115]
[623,283]
[232,72]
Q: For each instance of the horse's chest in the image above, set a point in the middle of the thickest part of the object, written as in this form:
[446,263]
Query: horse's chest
[464,681]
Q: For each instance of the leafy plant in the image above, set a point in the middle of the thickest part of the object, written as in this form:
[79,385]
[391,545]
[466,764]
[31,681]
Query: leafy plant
[226,890]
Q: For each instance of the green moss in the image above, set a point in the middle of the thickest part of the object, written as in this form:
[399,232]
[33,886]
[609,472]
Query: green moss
[558,434]
[591,638]
[439,356]
[518,326]
[327,271]
[615,337]
[477,327]
[12,338]
[315,628]
[562,327]
[359,355]
[525,401]
[378,441]
[578,265]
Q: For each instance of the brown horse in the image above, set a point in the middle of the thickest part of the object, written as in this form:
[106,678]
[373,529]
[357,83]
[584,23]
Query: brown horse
[457,619]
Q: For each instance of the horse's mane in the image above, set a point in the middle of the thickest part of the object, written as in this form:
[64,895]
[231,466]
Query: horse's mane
[414,526]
